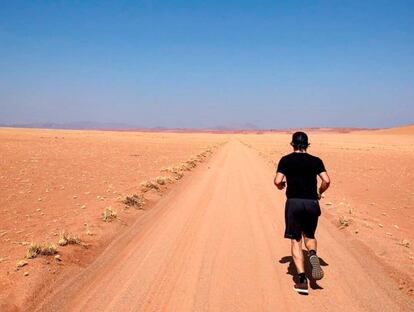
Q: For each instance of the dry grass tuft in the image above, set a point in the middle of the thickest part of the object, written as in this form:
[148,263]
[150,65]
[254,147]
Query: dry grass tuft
[163,180]
[176,171]
[136,201]
[36,249]
[404,243]
[67,239]
[344,222]
[178,176]
[168,169]
[109,215]
[33,251]
[192,163]
[149,185]
[185,167]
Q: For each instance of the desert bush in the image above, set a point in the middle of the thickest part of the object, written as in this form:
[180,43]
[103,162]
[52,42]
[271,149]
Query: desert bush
[178,176]
[404,243]
[344,222]
[149,185]
[109,214]
[36,249]
[192,163]
[163,180]
[174,170]
[136,201]
[68,239]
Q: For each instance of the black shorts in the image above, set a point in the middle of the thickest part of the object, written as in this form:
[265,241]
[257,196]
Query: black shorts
[301,218]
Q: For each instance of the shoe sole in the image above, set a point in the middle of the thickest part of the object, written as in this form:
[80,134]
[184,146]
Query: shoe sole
[317,272]
[301,291]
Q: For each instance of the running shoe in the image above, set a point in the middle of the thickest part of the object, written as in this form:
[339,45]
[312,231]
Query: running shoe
[317,272]
[302,287]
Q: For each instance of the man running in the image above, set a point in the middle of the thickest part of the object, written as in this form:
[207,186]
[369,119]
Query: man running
[299,170]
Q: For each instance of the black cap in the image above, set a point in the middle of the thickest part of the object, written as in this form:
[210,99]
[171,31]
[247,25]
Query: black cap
[300,140]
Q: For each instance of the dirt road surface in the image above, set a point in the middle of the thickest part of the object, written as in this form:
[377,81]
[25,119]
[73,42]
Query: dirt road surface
[214,243]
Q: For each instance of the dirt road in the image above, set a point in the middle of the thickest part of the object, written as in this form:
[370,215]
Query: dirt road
[215,243]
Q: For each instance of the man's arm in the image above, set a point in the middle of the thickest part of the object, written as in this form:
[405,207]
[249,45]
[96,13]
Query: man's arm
[326,181]
[279,181]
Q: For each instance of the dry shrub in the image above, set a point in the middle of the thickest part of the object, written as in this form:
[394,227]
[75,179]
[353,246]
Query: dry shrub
[136,201]
[173,170]
[192,163]
[188,165]
[36,249]
[168,169]
[68,239]
[149,185]
[178,176]
[177,171]
[344,222]
[109,215]
[163,180]
[404,243]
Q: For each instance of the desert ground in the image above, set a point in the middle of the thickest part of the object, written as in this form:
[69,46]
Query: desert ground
[205,229]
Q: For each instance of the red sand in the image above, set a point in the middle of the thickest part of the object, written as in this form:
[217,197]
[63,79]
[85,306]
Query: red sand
[212,243]
[54,180]
[372,173]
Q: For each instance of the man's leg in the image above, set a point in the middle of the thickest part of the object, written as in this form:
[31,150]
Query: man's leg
[302,285]
[310,243]
[297,255]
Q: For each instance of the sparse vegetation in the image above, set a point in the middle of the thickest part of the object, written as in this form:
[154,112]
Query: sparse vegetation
[343,222]
[178,176]
[192,163]
[109,214]
[404,243]
[136,201]
[36,249]
[163,180]
[185,167]
[177,172]
[149,185]
[68,239]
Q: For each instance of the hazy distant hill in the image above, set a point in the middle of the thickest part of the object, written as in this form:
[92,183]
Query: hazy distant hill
[71,125]
[408,129]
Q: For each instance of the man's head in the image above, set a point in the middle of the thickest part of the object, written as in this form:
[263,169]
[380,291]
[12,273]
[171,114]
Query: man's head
[300,141]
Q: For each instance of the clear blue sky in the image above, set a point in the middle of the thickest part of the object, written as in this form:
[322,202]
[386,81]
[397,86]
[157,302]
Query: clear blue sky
[208,63]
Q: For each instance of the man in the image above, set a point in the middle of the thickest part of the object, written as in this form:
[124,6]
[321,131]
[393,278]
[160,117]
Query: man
[299,170]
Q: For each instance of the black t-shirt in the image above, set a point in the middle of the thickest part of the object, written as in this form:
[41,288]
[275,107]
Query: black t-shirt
[301,170]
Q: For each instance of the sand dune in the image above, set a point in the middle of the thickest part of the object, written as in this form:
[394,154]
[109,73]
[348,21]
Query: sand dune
[409,129]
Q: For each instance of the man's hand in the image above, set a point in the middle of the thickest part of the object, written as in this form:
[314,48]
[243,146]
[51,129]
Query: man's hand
[326,181]
[280,181]
[319,194]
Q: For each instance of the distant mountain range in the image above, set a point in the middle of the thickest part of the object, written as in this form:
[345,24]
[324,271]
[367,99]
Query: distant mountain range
[84,125]
[233,127]
[81,125]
